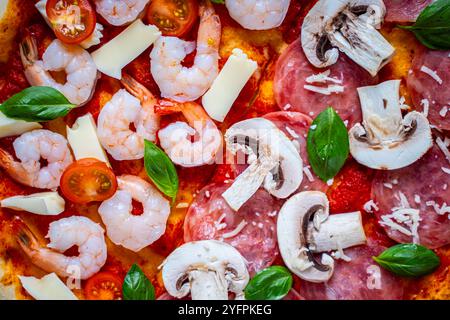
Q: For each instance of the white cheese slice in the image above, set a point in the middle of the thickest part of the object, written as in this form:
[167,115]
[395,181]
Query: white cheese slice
[83,139]
[44,203]
[49,287]
[228,85]
[127,46]
[12,127]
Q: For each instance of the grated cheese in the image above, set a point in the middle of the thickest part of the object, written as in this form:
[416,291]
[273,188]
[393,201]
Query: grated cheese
[433,74]
[387,185]
[325,91]
[322,77]
[236,231]
[403,106]
[370,205]
[443,111]
[442,145]
[417,199]
[292,133]
[182,205]
[404,220]
[426,106]
[446,170]
[330,182]
[308,173]
[440,210]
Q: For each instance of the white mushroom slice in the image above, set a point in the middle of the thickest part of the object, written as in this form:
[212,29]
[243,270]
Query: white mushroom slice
[304,227]
[348,26]
[273,160]
[207,269]
[385,140]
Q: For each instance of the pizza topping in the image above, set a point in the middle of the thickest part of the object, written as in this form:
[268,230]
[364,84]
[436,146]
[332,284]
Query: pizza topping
[226,88]
[273,160]
[49,287]
[103,286]
[431,73]
[11,127]
[385,140]
[304,227]
[136,285]
[370,206]
[402,217]
[113,56]
[206,269]
[44,203]
[119,12]
[348,26]
[404,10]
[272,283]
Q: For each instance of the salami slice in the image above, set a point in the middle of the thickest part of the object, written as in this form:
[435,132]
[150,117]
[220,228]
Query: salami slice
[292,71]
[428,84]
[251,230]
[295,126]
[423,186]
[358,279]
[404,10]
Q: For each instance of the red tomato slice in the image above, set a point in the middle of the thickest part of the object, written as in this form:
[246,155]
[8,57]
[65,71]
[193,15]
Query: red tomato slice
[88,180]
[104,286]
[73,21]
[173,17]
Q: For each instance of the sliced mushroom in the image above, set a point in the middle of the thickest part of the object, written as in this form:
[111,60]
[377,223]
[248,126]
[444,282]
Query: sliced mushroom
[207,269]
[305,227]
[385,140]
[272,157]
[348,26]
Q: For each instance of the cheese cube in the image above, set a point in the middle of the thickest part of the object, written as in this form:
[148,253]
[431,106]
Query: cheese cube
[50,287]
[44,203]
[83,139]
[127,46]
[12,127]
[228,85]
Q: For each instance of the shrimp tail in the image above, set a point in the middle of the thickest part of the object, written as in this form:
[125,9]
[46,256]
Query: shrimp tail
[25,237]
[14,169]
[138,90]
[28,51]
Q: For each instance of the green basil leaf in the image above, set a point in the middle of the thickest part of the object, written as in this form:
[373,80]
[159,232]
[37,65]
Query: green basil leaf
[327,144]
[218,1]
[136,285]
[272,283]
[408,260]
[37,104]
[432,27]
[161,170]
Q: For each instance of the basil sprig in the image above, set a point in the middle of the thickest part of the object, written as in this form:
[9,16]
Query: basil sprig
[136,285]
[272,283]
[327,144]
[36,104]
[432,27]
[161,170]
[408,260]
[218,1]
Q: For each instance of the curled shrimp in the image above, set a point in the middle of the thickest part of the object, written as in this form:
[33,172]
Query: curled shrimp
[30,148]
[135,232]
[191,144]
[122,110]
[80,69]
[178,82]
[120,12]
[64,234]
[258,14]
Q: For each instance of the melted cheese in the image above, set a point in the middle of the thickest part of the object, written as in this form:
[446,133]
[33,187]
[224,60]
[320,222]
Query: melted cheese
[127,46]
[228,85]
[11,127]
[49,287]
[84,141]
[45,203]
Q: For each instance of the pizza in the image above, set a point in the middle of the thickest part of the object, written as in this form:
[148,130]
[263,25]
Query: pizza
[224,149]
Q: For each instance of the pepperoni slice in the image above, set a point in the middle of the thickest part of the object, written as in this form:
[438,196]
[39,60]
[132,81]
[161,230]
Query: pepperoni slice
[425,185]
[295,126]
[404,10]
[291,72]
[434,91]
[359,279]
[251,230]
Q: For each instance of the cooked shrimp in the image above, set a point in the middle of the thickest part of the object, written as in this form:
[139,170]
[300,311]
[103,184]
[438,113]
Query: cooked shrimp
[30,148]
[178,82]
[191,145]
[80,69]
[120,12]
[258,14]
[64,234]
[135,232]
[122,110]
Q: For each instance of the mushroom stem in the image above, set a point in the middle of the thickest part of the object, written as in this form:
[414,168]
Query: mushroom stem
[208,285]
[338,232]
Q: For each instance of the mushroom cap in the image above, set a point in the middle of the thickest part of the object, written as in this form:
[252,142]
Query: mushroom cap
[291,237]
[264,135]
[385,140]
[319,21]
[207,255]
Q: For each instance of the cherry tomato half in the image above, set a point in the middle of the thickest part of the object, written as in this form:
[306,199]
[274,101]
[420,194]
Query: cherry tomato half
[88,180]
[173,17]
[104,286]
[73,21]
